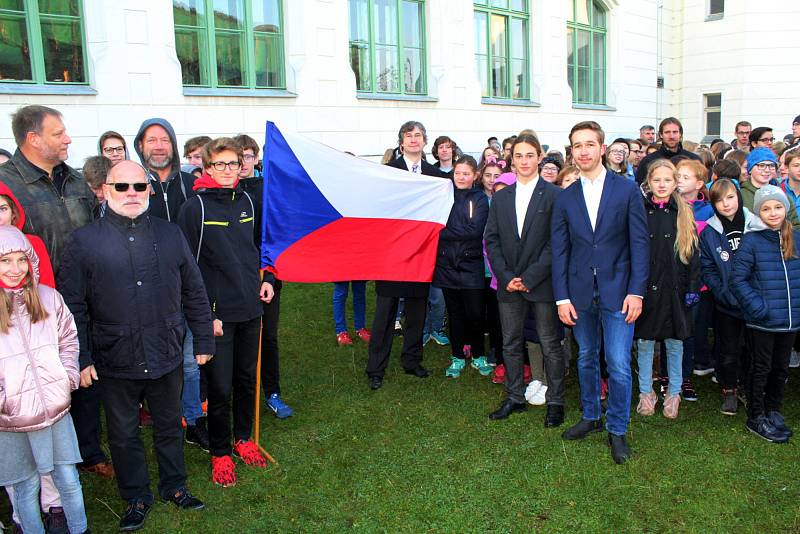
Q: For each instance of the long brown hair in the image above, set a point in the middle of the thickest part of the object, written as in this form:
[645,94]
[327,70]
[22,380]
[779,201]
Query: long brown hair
[32,301]
[686,240]
[787,239]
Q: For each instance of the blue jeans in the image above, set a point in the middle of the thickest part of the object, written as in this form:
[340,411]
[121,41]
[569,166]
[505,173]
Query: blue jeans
[26,494]
[617,338]
[674,359]
[340,290]
[190,398]
[434,321]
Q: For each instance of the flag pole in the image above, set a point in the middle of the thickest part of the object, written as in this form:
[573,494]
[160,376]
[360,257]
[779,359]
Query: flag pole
[256,426]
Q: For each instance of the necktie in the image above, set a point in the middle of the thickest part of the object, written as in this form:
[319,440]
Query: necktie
[415,168]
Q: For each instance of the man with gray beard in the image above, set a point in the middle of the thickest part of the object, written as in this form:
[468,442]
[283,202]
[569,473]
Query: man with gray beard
[157,147]
[129,280]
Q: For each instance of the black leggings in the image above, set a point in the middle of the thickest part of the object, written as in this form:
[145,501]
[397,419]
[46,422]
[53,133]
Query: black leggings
[465,319]
[492,321]
[769,369]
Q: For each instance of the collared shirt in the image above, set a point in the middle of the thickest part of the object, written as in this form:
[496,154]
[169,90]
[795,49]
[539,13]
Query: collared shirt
[416,168]
[592,192]
[522,199]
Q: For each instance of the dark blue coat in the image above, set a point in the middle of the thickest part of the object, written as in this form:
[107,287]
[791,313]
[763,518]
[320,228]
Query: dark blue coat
[716,258]
[767,286]
[459,259]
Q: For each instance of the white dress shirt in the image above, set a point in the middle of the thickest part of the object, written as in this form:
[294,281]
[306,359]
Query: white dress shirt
[416,168]
[592,192]
[521,201]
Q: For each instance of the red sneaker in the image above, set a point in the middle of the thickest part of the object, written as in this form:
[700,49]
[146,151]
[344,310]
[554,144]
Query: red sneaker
[144,417]
[204,406]
[223,471]
[527,376]
[603,388]
[343,338]
[364,334]
[249,453]
[499,374]
[467,351]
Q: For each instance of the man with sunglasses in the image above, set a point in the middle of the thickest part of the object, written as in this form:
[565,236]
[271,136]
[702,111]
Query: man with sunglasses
[762,166]
[129,279]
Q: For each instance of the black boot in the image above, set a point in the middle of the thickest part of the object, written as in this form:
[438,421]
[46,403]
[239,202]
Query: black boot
[554,416]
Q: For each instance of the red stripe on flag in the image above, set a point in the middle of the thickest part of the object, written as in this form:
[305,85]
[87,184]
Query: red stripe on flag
[363,249]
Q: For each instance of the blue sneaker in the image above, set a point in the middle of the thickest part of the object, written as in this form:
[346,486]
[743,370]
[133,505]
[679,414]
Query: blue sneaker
[280,408]
[440,337]
[425,338]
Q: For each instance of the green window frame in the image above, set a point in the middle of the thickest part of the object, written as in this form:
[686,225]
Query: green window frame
[387,46]
[586,52]
[502,50]
[42,42]
[230,44]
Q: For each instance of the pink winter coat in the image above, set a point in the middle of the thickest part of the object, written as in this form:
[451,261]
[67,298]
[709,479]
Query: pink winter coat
[38,362]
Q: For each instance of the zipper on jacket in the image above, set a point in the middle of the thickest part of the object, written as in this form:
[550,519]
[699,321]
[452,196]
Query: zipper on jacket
[788,290]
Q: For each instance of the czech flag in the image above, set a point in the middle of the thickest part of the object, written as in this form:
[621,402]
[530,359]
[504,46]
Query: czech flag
[329,216]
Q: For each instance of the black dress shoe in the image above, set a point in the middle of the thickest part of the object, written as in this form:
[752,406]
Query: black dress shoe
[135,515]
[419,372]
[554,416]
[375,382]
[583,428]
[184,500]
[619,448]
[507,408]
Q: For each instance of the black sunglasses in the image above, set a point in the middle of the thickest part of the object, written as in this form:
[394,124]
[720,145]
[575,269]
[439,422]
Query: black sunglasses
[121,187]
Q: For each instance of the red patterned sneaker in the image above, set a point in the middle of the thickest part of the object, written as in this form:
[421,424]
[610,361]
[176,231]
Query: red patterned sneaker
[527,376]
[499,375]
[364,334]
[223,471]
[343,338]
[249,453]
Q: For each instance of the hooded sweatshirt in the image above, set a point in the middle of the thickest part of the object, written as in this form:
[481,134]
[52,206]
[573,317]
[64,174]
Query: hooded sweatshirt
[167,196]
[45,267]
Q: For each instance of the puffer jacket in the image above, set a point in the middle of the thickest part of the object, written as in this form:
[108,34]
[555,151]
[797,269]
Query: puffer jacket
[748,191]
[767,286]
[38,361]
[459,259]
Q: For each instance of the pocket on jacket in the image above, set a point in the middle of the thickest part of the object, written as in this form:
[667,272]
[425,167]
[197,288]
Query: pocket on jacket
[175,331]
[112,346]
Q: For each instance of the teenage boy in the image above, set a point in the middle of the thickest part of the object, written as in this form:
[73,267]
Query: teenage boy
[762,166]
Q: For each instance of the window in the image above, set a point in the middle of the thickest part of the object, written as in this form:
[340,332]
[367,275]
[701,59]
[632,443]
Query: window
[230,43]
[716,8]
[387,46]
[586,52]
[501,48]
[713,112]
[42,42]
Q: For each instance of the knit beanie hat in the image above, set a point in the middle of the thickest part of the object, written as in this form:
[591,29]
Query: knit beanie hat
[796,120]
[769,192]
[551,160]
[760,155]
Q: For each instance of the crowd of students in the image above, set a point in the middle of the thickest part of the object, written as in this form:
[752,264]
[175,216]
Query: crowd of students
[160,304]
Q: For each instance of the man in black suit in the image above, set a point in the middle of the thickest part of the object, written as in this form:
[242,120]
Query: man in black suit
[412,139]
[518,245]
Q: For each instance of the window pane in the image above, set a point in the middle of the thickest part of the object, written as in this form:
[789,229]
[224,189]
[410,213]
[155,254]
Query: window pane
[63,51]
[190,46]
[498,36]
[385,22]
[716,7]
[499,78]
[582,11]
[266,16]
[413,77]
[519,5]
[583,48]
[269,61]
[189,13]
[229,14]
[598,16]
[388,73]
[230,59]
[599,81]
[519,78]
[15,60]
[480,2]
[411,24]
[499,3]
[518,38]
[713,123]
[359,15]
[599,51]
[14,5]
[58,7]
[582,85]
[480,33]
[482,64]
[713,101]
[570,47]
[359,61]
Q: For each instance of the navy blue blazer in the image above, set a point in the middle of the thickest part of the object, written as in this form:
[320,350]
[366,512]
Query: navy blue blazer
[617,253]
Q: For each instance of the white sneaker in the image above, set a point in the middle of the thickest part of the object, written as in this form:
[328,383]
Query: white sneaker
[538,398]
[794,359]
[532,388]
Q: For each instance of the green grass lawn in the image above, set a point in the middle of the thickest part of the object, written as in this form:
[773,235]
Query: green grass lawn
[422,456]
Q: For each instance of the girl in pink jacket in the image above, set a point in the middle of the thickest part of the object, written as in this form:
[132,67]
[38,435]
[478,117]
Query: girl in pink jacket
[38,372]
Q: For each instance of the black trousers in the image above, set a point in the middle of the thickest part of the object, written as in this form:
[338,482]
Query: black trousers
[85,411]
[465,320]
[121,402]
[270,367]
[492,321]
[729,339]
[380,345]
[232,373]
[769,368]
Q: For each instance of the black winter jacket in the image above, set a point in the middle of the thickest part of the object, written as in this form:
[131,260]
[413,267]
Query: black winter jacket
[459,259]
[662,153]
[219,226]
[716,259]
[129,283]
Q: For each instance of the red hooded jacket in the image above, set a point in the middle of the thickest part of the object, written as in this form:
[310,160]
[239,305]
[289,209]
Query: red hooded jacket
[46,276]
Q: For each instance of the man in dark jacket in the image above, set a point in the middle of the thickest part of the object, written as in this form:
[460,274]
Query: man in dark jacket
[670,131]
[157,147]
[129,279]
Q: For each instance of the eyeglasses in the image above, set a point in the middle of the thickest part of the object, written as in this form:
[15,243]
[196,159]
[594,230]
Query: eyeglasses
[114,150]
[121,187]
[549,168]
[221,165]
[617,152]
[248,158]
[766,166]
[766,140]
